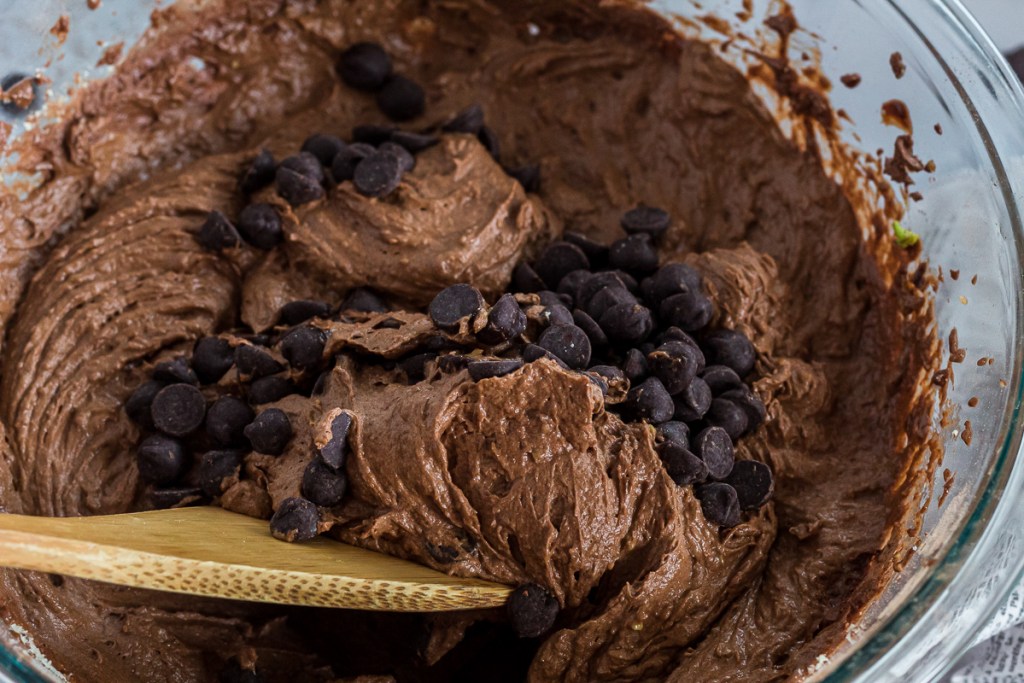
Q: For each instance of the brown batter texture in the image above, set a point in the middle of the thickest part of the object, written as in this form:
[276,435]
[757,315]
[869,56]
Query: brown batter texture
[526,476]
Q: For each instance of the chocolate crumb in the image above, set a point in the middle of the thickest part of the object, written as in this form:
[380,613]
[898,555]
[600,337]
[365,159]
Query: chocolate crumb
[60,28]
[968,433]
[982,362]
[897,113]
[940,378]
[112,55]
[956,354]
[850,80]
[938,128]
[974,280]
[973,402]
[917,196]
[93,4]
[899,68]
[955,274]
[903,162]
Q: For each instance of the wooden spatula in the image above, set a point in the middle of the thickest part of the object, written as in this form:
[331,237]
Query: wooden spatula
[210,551]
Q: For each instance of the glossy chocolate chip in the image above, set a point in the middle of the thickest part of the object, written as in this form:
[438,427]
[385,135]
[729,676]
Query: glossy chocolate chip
[323,147]
[721,379]
[270,432]
[558,260]
[732,349]
[693,402]
[140,402]
[260,226]
[671,279]
[486,369]
[646,220]
[634,364]
[753,482]
[526,279]
[296,312]
[364,66]
[650,401]
[751,405]
[406,161]
[343,167]
[178,410]
[505,321]
[363,300]
[469,120]
[627,324]
[454,304]
[323,486]
[303,347]
[714,446]
[557,314]
[676,364]
[681,465]
[608,298]
[532,352]
[720,504]
[175,370]
[635,254]
[335,451]
[598,339]
[729,416]
[161,460]
[689,311]
[378,175]
[401,99]
[596,252]
[296,188]
[532,610]
[215,467]
[269,389]
[413,142]
[259,173]
[212,357]
[295,520]
[226,421]
[255,362]
[569,343]
[676,431]
[217,233]
[570,283]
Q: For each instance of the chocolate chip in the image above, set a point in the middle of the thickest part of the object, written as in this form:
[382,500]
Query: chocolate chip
[454,304]
[269,390]
[259,173]
[557,314]
[590,287]
[305,164]
[558,260]
[415,367]
[753,482]
[673,278]
[676,364]
[378,175]
[751,405]
[689,311]
[270,432]
[264,340]
[401,99]
[729,416]
[295,520]
[569,343]
[414,142]
[364,66]
[363,300]
[635,365]
[218,233]
[720,504]
[679,432]
[681,465]
[528,176]
[525,279]
[178,409]
[598,339]
[549,298]
[211,358]
[215,467]
[505,321]
[303,347]
[453,362]
[323,147]
[226,421]
[343,167]
[532,610]
[596,252]
[489,139]
[260,226]
[406,161]
[714,446]
[570,283]
[175,370]
[372,134]
[322,486]
[627,324]
[335,451]
[650,401]
[255,362]
[469,120]
[635,254]
[607,298]
[609,372]
[693,402]
[320,385]
[176,497]
[646,220]
[485,369]
[297,189]
[161,459]
[732,349]
[139,403]
[296,312]
[721,379]
[532,352]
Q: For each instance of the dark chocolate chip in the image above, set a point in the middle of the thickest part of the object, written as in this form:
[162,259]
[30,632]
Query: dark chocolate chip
[415,367]
[729,416]
[139,403]
[525,279]
[549,298]
[323,147]
[335,451]
[363,300]
[634,364]
[255,362]
[176,497]
[609,372]
[323,486]
[505,321]
[714,446]
[569,343]
[401,99]
[693,402]
[589,288]
[676,364]
[753,482]
[489,139]
[596,252]
[598,339]
[681,465]
[218,233]
[558,260]
[485,369]
[269,389]
[721,379]
[320,385]
[557,314]
[732,349]
[264,340]
[406,161]
[226,421]
[303,347]
[161,460]
[469,120]
[532,610]
[343,167]
[646,220]
[532,352]
[378,175]
[414,142]
[679,432]
[306,164]
[570,284]
[259,173]
[627,324]
[178,410]
[720,504]
[751,405]
[260,226]
[454,304]
[635,254]
[689,311]
[528,176]
[607,298]
[673,278]
[372,134]
[295,520]
[211,358]
[296,312]
[175,370]
[364,66]
[270,432]
[215,467]
[297,189]
[649,401]
[453,362]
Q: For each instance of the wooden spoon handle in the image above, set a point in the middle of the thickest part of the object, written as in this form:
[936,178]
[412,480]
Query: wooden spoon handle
[210,551]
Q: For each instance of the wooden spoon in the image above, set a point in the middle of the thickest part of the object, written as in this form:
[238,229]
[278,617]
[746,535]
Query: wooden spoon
[210,551]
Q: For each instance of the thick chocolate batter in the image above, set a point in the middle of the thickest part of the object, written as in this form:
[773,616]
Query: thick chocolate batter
[526,474]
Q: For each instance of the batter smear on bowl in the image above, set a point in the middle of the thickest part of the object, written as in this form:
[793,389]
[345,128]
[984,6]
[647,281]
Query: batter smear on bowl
[532,294]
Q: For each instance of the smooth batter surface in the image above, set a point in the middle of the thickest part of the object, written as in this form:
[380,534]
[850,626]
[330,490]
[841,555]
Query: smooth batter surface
[526,475]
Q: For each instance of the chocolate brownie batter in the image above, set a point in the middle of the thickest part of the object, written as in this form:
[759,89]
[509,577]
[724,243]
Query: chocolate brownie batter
[520,478]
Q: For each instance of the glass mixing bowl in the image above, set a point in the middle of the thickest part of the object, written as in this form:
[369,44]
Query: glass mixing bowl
[970,551]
